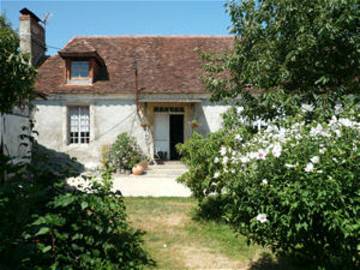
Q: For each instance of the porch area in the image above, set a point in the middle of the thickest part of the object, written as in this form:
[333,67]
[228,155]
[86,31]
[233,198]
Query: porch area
[169,122]
[158,181]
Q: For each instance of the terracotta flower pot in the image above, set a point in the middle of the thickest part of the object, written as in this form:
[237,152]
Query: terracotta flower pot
[138,170]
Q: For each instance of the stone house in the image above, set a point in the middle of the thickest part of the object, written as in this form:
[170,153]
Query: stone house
[148,86]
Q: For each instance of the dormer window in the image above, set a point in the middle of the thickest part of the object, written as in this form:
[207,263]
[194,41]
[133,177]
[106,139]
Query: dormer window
[80,70]
[82,63]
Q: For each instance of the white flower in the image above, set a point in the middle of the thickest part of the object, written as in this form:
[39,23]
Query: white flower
[322,150]
[315,159]
[165,245]
[307,107]
[252,155]
[338,133]
[276,151]
[309,167]
[223,150]
[262,218]
[338,108]
[225,160]
[346,122]
[240,109]
[333,120]
[318,130]
[261,154]
[216,160]
[264,182]
[244,159]
[216,175]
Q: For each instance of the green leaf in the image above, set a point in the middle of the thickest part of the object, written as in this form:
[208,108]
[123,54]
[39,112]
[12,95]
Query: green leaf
[84,205]
[42,231]
[46,249]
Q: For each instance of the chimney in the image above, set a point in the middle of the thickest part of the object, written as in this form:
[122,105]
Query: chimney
[32,36]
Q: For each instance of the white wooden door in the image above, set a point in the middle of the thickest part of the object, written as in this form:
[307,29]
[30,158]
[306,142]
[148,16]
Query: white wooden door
[162,133]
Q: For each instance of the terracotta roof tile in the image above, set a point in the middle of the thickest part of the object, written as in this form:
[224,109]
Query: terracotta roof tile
[165,64]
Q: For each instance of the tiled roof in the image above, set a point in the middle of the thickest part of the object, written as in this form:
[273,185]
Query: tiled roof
[81,46]
[165,64]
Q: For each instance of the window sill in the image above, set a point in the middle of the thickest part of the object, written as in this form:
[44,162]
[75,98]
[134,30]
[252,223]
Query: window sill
[79,82]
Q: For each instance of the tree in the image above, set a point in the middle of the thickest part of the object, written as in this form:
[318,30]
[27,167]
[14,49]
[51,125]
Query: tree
[298,46]
[16,73]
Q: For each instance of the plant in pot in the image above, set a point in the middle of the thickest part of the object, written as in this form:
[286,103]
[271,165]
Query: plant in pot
[138,169]
[125,153]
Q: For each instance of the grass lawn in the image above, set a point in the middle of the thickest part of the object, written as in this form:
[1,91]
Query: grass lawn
[176,241]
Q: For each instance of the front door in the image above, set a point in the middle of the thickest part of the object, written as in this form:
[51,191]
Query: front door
[176,134]
[162,139]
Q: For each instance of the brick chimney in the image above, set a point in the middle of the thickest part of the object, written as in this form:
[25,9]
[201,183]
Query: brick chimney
[32,36]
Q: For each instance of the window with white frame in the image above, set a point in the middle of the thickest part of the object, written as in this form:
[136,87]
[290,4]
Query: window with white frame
[79,124]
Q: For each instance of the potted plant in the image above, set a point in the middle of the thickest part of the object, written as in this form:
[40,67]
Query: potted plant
[138,169]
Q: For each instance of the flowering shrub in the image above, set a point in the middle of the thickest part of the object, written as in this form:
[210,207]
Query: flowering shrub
[293,184]
[125,153]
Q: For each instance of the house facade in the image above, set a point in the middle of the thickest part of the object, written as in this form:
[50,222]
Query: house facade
[148,86]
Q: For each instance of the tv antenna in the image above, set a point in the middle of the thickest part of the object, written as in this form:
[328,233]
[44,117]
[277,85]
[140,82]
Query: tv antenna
[46,18]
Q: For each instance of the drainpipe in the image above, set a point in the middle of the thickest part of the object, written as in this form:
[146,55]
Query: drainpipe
[139,111]
[2,134]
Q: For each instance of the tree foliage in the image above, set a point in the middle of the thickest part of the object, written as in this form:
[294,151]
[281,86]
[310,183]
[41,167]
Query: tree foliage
[299,46]
[16,73]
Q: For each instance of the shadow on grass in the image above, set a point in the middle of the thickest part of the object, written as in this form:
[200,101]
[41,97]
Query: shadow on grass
[268,261]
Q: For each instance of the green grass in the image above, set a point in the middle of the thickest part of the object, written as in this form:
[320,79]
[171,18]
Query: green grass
[177,241]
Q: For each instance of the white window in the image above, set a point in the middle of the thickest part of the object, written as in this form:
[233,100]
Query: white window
[79,124]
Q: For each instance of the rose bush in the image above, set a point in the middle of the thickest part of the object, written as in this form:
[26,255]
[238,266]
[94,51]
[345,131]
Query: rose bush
[290,181]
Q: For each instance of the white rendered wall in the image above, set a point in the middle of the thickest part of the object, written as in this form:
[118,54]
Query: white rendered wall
[12,126]
[108,118]
[209,116]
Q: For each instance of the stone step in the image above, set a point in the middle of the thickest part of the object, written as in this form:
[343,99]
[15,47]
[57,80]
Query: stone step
[170,166]
[149,178]
[155,169]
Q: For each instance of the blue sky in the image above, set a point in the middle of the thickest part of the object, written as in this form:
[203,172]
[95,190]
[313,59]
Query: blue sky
[71,18]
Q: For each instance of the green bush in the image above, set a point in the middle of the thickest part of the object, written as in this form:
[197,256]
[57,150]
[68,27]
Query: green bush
[87,231]
[125,153]
[46,225]
[292,185]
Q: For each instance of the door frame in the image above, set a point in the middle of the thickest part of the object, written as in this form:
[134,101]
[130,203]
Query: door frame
[169,130]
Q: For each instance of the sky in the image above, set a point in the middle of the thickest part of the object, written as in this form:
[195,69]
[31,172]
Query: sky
[72,18]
